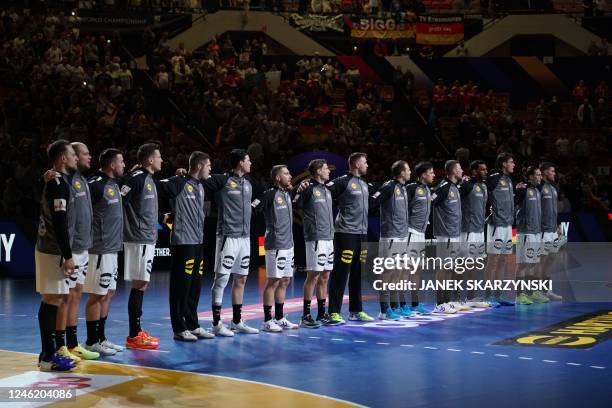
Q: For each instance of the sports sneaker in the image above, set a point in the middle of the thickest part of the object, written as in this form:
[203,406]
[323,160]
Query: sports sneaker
[221,330]
[101,349]
[142,341]
[505,302]
[388,315]
[83,353]
[185,336]
[478,303]
[200,333]
[493,301]
[360,316]
[309,323]
[444,308]
[553,296]
[63,351]
[152,340]
[242,327]
[285,324]
[405,311]
[461,306]
[538,297]
[335,319]
[56,363]
[523,299]
[420,309]
[271,327]
[108,344]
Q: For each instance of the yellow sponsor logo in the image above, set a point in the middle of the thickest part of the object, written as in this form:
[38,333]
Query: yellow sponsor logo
[363,255]
[580,332]
[189,266]
[347,256]
[201,270]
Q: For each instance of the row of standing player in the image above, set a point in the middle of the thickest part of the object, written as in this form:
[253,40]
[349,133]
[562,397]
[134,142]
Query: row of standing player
[129,215]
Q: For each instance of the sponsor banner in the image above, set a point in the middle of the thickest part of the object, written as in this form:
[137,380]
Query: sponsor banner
[440,4]
[439,30]
[383,28]
[317,22]
[582,332]
[128,22]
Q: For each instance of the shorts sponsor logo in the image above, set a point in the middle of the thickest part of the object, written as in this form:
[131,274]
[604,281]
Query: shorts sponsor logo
[245,262]
[347,256]
[228,261]
[105,280]
[584,331]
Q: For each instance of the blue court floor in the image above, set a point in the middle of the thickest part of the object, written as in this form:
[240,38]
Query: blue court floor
[428,362]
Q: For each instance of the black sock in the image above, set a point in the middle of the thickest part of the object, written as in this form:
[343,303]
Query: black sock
[92,332]
[415,304]
[278,311]
[216,310]
[71,337]
[101,326]
[267,313]
[60,339]
[394,305]
[306,307]
[47,314]
[320,307]
[237,313]
[402,304]
[135,311]
[383,307]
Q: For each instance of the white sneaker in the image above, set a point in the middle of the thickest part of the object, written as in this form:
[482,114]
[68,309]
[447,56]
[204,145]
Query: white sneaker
[553,296]
[271,326]
[286,324]
[242,327]
[460,306]
[478,303]
[221,330]
[185,336]
[108,344]
[99,348]
[444,308]
[200,333]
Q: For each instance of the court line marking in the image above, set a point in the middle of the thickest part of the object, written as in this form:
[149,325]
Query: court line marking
[430,348]
[382,343]
[156,324]
[525,358]
[214,376]
[336,339]
[501,355]
[573,364]
[406,345]
[598,367]
[453,350]
[313,337]
[477,352]
[293,335]
[549,361]
[359,341]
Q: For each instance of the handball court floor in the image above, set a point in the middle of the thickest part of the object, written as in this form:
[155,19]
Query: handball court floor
[437,361]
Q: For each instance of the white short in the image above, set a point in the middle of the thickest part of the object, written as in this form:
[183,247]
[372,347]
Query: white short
[389,247]
[448,247]
[81,261]
[320,255]
[550,243]
[279,263]
[50,279]
[103,274]
[233,255]
[473,244]
[416,243]
[138,261]
[499,240]
[528,248]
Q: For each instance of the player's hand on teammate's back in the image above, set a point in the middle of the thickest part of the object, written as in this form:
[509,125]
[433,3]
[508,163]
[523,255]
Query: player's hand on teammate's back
[181,172]
[68,267]
[303,185]
[50,175]
[521,185]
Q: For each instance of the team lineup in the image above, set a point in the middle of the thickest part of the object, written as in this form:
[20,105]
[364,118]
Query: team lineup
[86,222]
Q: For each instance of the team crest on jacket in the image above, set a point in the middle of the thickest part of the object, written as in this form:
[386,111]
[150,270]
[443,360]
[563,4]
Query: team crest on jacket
[354,186]
[530,193]
[110,192]
[545,190]
[452,194]
[397,191]
[149,187]
[478,189]
[190,188]
[502,182]
[317,193]
[279,200]
[77,185]
[420,191]
[233,184]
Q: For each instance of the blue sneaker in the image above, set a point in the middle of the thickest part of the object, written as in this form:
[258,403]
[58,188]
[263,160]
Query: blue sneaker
[389,315]
[420,309]
[506,302]
[56,363]
[404,311]
[493,301]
